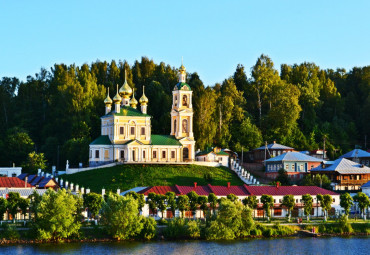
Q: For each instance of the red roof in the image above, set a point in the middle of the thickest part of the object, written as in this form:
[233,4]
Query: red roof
[244,190]
[13,182]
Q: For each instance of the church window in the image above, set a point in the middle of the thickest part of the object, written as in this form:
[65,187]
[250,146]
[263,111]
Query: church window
[174,126]
[143,154]
[163,154]
[184,100]
[96,154]
[122,154]
[132,130]
[106,154]
[154,154]
[185,126]
[121,130]
[172,154]
[175,100]
[143,131]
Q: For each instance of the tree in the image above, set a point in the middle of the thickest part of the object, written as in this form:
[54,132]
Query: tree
[346,202]
[325,203]
[203,204]
[182,204]
[171,201]
[193,202]
[212,200]
[161,203]
[232,197]
[18,145]
[35,161]
[283,177]
[251,202]
[139,198]
[120,216]
[152,202]
[268,203]
[3,207]
[57,215]
[289,202]
[307,201]
[13,203]
[23,204]
[93,202]
[363,202]
[35,199]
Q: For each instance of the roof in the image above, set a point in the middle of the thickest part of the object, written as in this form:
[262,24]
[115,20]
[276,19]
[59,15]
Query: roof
[22,192]
[366,185]
[164,140]
[208,151]
[244,190]
[181,85]
[13,182]
[288,190]
[356,153]
[101,140]
[293,156]
[127,111]
[275,146]
[38,181]
[344,166]
[136,189]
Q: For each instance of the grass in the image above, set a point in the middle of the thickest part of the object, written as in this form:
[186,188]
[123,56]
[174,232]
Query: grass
[125,177]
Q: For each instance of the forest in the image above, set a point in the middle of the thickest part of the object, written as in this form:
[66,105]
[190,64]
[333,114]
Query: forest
[55,114]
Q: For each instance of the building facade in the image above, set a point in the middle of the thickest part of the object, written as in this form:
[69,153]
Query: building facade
[269,151]
[358,156]
[126,131]
[213,155]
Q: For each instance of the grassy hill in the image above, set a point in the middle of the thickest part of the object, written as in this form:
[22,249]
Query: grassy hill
[126,177]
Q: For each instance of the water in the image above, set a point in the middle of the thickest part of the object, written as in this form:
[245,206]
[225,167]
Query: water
[282,246]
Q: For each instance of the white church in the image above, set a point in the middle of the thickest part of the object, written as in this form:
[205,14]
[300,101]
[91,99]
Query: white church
[126,131]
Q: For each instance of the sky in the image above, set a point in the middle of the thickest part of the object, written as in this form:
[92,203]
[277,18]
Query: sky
[213,37]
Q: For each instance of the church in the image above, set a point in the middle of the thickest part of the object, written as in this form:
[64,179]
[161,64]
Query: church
[126,130]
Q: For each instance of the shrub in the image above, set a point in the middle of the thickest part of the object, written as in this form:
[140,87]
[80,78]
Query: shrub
[176,229]
[269,232]
[162,222]
[149,228]
[10,233]
[193,229]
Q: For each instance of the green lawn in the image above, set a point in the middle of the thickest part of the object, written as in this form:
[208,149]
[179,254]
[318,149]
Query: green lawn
[126,177]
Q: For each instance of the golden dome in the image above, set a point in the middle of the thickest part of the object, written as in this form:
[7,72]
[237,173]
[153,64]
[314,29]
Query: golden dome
[117,97]
[143,99]
[108,100]
[133,101]
[125,91]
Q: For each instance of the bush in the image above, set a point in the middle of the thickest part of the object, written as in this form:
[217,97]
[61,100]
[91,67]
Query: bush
[176,229]
[162,222]
[344,225]
[149,228]
[268,232]
[10,233]
[193,229]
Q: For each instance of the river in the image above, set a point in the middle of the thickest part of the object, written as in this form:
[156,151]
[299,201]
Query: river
[332,245]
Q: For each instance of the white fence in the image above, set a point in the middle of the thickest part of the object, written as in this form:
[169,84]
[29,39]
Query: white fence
[77,170]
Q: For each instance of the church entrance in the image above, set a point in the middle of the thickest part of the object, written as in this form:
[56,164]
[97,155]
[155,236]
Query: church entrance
[185,153]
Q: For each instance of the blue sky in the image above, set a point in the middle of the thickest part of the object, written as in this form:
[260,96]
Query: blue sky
[212,36]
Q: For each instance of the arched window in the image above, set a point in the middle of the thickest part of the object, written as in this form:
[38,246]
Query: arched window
[174,126]
[184,125]
[185,153]
[184,100]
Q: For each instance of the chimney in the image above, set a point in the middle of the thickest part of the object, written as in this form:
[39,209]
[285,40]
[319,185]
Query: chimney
[228,185]
[195,185]
[277,185]
[274,141]
[25,181]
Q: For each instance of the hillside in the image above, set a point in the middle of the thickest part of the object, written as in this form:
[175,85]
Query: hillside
[126,177]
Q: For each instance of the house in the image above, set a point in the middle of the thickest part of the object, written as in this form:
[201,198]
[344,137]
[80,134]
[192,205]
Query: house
[213,155]
[126,134]
[296,164]
[344,174]
[40,182]
[278,192]
[359,156]
[268,151]
[10,171]
[317,154]
[366,188]
[14,182]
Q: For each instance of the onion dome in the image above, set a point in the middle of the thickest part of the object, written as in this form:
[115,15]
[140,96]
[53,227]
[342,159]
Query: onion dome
[182,69]
[108,100]
[133,101]
[117,97]
[125,91]
[143,99]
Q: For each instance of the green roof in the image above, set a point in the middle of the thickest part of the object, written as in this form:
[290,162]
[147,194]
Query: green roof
[222,153]
[128,111]
[206,152]
[103,139]
[165,140]
[180,85]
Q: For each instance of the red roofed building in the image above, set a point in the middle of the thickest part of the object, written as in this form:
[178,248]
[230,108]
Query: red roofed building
[277,192]
[13,182]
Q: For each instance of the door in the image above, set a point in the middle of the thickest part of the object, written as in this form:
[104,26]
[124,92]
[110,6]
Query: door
[185,153]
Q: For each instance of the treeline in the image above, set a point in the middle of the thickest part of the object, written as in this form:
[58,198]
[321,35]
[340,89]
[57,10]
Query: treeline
[57,112]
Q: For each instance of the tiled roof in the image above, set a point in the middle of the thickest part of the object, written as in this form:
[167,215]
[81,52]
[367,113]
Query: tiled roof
[287,190]
[294,156]
[101,140]
[275,146]
[13,182]
[164,140]
[127,111]
[180,85]
[366,185]
[40,181]
[22,192]
[239,190]
[344,166]
[356,153]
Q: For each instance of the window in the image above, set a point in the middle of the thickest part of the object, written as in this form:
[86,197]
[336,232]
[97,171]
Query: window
[90,154]
[287,167]
[121,130]
[333,200]
[173,154]
[184,100]
[143,154]
[163,154]
[154,154]
[106,154]
[122,156]
[302,167]
[260,212]
[132,130]
[280,201]
[143,131]
[296,201]
[96,154]
[274,201]
[277,211]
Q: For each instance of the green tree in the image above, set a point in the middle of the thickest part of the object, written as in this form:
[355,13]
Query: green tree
[307,201]
[139,198]
[93,202]
[346,202]
[268,203]
[212,200]
[3,207]
[203,204]
[35,161]
[182,204]
[13,203]
[363,202]
[250,136]
[120,216]
[251,202]
[161,203]
[18,145]
[23,204]
[232,197]
[57,215]
[152,202]
[325,203]
[171,201]
[193,202]
[289,203]
[35,199]
[283,177]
